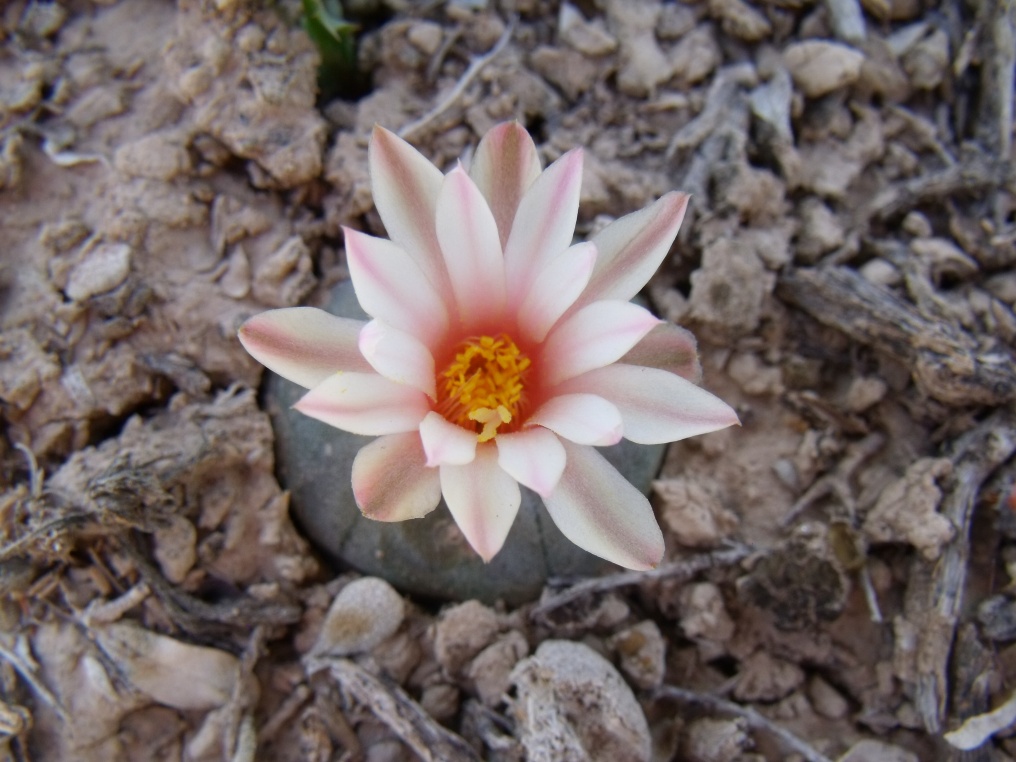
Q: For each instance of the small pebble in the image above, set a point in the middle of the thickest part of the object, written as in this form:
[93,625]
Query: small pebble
[826,700]
[462,632]
[876,751]
[364,613]
[490,671]
[864,392]
[819,67]
[880,272]
[642,654]
[715,740]
[104,268]
[766,678]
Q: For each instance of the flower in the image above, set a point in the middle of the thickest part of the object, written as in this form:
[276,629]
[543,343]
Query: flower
[499,353]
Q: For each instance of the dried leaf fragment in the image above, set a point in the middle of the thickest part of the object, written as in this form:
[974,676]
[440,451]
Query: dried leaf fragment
[172,672]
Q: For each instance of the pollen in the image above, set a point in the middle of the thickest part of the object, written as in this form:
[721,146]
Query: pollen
[483,386]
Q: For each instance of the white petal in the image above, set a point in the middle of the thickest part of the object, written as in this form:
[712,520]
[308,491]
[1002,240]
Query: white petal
[504,166]
[398,357]
[598,510]
[365,403]
[391,287]
[534,457]
[472,251]
[668,347]
[555,290]
[544,224]
[303,344]
[391,482]
[446,443]
[405,187]
[632,248]
[483,500]
[596,335]
[656,406]
[583,418]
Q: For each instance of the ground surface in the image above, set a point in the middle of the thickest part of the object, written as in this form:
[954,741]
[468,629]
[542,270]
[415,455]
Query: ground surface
[837,575]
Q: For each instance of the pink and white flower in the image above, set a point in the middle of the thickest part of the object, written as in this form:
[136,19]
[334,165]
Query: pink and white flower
[499,353]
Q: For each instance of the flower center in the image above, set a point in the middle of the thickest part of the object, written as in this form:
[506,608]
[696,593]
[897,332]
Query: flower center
[482,387]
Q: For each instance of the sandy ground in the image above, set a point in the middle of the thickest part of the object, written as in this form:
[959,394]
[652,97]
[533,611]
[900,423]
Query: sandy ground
[837,579]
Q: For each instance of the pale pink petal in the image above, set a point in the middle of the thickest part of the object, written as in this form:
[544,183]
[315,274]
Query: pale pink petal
[483,500]
[405,187]
[504,166]
[398,357]
[303,344]
[598,510]
[391,287]
[632,248]
[365,403]
[668,347]
[544,223]
[582,418]
[555,290]
[445,443]
[596,335]
[534,457]
[391,482]
[472,252]
[656,406]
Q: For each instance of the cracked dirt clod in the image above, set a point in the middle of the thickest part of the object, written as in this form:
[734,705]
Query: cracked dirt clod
[572,705]
[907,511]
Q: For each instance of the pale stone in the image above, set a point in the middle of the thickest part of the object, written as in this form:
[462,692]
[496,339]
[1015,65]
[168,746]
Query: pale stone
[820,67]
[363,614]
[104,268]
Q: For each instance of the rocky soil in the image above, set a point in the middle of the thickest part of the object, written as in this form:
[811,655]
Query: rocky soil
[838,580]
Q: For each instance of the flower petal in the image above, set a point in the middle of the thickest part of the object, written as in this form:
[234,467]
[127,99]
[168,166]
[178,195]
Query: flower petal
[596,335]
[483,500]
[544,223]
[632,248]
[534,457]
[365,403]
[391,482]
[405,187]
[503,168]
[656,406]
[472,251]
[668,347]
[445,443]
[555,290]
[398,357]
[598,510]
[391,287]
[583,418]
[303,344]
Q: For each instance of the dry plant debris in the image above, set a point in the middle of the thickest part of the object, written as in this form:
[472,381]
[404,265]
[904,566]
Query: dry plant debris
[839,578]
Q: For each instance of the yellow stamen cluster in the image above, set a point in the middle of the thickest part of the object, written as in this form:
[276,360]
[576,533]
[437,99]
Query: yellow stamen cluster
[482,388]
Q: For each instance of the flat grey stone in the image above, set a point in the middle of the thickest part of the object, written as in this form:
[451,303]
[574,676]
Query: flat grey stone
[425,556]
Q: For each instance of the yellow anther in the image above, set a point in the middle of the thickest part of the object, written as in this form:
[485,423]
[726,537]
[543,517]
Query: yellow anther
[483,387]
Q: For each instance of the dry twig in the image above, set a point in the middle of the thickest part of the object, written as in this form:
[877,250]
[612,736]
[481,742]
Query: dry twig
[196,615]
[947,363]
[28,675]
[391,705]
[934,595]
[755,720]
[838,481]
[684,569]
[475,67]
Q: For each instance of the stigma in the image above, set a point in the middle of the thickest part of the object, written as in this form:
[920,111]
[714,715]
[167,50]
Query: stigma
[483,387]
